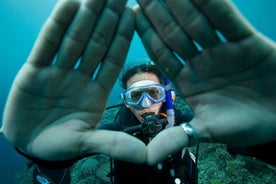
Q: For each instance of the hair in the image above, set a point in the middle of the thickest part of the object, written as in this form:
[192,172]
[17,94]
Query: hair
[138,69]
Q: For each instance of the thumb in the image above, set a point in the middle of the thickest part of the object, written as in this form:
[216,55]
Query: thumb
[118,145]
[167,142]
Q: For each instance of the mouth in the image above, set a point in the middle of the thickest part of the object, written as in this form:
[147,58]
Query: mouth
[147,114]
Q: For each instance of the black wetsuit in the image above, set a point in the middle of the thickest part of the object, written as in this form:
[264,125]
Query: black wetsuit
[174,168]
[264,152]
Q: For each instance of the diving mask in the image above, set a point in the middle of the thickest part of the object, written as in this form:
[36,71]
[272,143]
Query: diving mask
[143,94]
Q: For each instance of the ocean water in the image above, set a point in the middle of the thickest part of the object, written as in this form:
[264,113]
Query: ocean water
[21,21]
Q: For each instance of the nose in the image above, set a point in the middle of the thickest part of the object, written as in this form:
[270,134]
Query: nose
[146,102]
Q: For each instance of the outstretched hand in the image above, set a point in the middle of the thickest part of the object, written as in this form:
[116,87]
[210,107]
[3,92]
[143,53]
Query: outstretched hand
[59,95]
[228,76]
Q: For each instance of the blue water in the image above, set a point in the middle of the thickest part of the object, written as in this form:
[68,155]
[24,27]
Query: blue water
[20,23]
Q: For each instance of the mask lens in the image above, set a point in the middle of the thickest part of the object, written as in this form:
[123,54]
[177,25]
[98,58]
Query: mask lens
[135,95]
[154,92]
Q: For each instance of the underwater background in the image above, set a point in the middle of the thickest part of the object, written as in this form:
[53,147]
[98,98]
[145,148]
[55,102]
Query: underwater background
[21,21]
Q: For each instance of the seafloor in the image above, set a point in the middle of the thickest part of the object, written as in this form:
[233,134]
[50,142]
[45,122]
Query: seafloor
[215,165]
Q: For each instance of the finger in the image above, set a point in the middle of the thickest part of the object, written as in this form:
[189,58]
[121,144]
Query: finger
[117,53]
[78,33]
[79,139]
[225,17]
[155,47]
[101,37]
[193,22]
[168,29]
[51,34]
[118,145]
[172,140]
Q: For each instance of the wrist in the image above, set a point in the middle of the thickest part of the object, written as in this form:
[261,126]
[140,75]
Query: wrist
[191,133]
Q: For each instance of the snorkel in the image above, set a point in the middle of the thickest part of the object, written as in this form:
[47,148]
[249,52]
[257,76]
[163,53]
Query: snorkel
[169,103]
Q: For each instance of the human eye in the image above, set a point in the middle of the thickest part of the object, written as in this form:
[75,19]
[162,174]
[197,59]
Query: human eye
[154,93]
[136,95]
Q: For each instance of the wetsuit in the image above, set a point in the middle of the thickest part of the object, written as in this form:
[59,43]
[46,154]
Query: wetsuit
[263,152]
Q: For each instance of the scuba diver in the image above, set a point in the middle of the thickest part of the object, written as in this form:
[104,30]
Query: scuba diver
[143,116]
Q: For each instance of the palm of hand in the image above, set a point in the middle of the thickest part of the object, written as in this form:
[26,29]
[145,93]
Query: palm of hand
[230,97]
[230,83]
[228,64]
[53,106]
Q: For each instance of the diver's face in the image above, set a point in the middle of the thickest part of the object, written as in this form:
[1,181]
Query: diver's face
[152,109]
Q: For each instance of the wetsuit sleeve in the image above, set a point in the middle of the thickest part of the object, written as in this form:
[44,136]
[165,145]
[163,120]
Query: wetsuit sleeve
[185,167]
[50,175]
[110,126]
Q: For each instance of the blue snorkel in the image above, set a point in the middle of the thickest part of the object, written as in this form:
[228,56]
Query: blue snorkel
[169,103]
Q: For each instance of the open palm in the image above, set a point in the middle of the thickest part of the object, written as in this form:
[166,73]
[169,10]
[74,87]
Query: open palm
[59,95]
[227,78]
